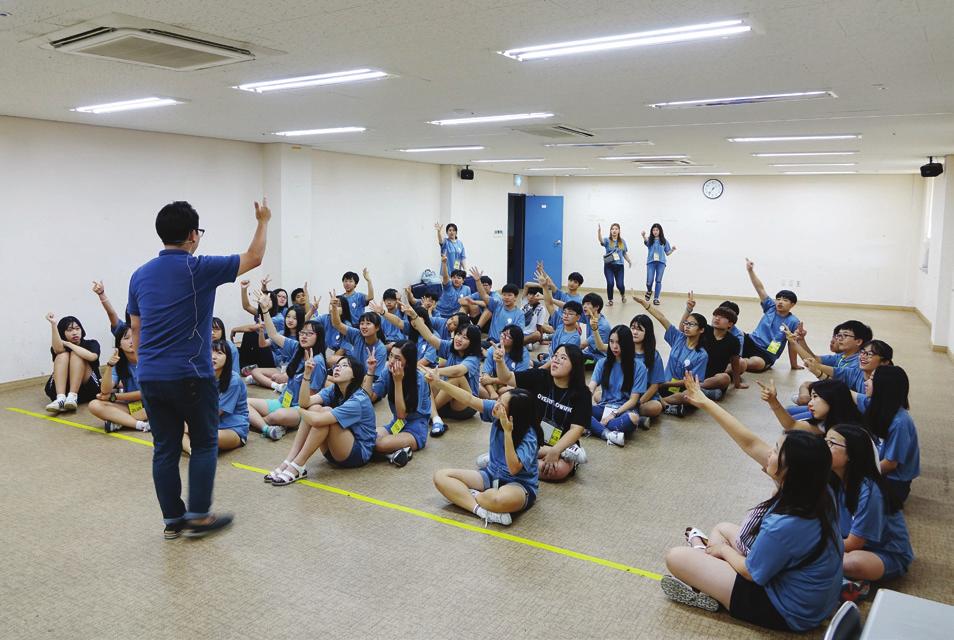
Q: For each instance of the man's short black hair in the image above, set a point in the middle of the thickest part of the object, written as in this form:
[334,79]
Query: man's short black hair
[532,291]
[351,275]
[788,295]
[431,294]
[728,304]
[860,329]
[574,306]
[176,221]
[458,273]
[510,288]
[727,313]
[390,294]
[594,299]
[575,277]
[486,281]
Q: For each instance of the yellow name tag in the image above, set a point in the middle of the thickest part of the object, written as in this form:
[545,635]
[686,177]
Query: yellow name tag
[774,346]
[674,389]
[551,434]
[656,256]
[457,264]
[135,407]
[287,399]
[397,426]
[615,255]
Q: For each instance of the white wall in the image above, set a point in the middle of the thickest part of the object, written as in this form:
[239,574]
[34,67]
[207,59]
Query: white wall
[79,203]
[843,238]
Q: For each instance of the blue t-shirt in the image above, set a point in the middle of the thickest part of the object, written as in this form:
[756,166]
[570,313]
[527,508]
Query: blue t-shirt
[296,378]
[490,365]
[657,252]
[358,302]
[502,317]
[884,533]
[682,358]
[233,407]
[848,370]
[618,247]
[562,335]
[439,328]
[804,596]
[426,351]
[556,318]
[131,382]
[449,302]
[456,255]
[333,337]
[422,412]
[392,332]
[236,368]
[446,351]
[354,345]
[497,468]
[173,295]
[355,414]
[613,394]
[768,334]
[658,373]
[900,446]
[604,328]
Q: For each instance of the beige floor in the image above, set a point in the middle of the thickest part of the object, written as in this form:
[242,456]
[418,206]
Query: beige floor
[84,556]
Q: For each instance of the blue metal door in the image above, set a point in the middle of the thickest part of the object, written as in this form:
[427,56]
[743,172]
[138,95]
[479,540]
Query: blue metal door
[543,236]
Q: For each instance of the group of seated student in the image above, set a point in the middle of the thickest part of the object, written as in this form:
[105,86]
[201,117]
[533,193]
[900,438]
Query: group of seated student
[843,464]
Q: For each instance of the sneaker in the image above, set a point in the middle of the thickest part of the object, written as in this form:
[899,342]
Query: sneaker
[483,461]
[280,389]
[273,432]
[643,423]
[674,410]
[679,591]
[69,404]
[854,590]
[219,523]
[400,457]
[247,370]
[142,425]
[173,530]
[575,454]
[615,437]
[249,380]
[438,428]
[111,427]
[56,406]
[493,517]
[713,394]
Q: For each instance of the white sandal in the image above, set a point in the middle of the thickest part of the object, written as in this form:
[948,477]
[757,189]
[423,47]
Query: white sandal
[285,477]
[692,532]
[270,477]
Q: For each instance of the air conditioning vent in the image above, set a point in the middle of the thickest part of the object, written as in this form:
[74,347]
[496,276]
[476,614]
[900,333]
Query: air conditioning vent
[128,39]
[555,131]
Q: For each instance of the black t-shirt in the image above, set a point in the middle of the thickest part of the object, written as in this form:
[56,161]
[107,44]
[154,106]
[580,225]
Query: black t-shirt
[89,345]
[559,407]
[720,351]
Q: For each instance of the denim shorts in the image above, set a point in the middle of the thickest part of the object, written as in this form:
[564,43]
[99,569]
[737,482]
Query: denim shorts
[530,496]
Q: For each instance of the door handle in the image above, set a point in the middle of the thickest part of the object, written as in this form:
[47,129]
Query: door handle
[557,243]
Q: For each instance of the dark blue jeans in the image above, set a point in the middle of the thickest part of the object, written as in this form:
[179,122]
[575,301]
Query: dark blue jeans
[170,405]
[655,271]
[614,272]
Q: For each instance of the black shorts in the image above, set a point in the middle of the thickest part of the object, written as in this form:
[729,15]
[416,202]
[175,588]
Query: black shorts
[87,391]
[751,349]
[451,414]
[751,603]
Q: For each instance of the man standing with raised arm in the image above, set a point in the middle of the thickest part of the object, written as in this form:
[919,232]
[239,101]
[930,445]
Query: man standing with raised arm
[171,298]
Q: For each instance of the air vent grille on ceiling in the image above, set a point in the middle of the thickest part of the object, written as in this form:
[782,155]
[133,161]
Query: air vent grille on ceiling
[555,131]
[151,47]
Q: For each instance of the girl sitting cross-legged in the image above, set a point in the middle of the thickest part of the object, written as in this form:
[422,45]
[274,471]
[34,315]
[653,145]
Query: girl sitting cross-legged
[119,403]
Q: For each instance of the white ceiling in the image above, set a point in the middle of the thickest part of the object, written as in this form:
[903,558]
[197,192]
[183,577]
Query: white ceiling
[891,63]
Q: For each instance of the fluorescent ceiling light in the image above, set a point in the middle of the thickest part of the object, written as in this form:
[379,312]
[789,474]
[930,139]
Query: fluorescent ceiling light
[337,77]
[638,39]
[677,157]
[816,173]
[804,153]
[837,136]
[426,149]
[718,102]
[596,144]
[128,105]
[602,175]
[317,132]
[816,164]
[556,168]
[658,166]
[703,173]
[485,119]
[507,160]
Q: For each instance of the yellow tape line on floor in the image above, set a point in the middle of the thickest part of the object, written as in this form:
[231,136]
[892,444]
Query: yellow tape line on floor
[389,505]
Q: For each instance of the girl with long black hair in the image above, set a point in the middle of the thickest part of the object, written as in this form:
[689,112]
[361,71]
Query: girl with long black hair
[233,402]
[830,403]
[621,379]
[75,377]
[516,357]
[409,399]
[791,576]
[119,403]
[658,250]
[644,344]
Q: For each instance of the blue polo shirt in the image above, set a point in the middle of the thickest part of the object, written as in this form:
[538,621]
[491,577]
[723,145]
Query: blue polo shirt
[768,334]
[682,358]
[173,294]
[656,252]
